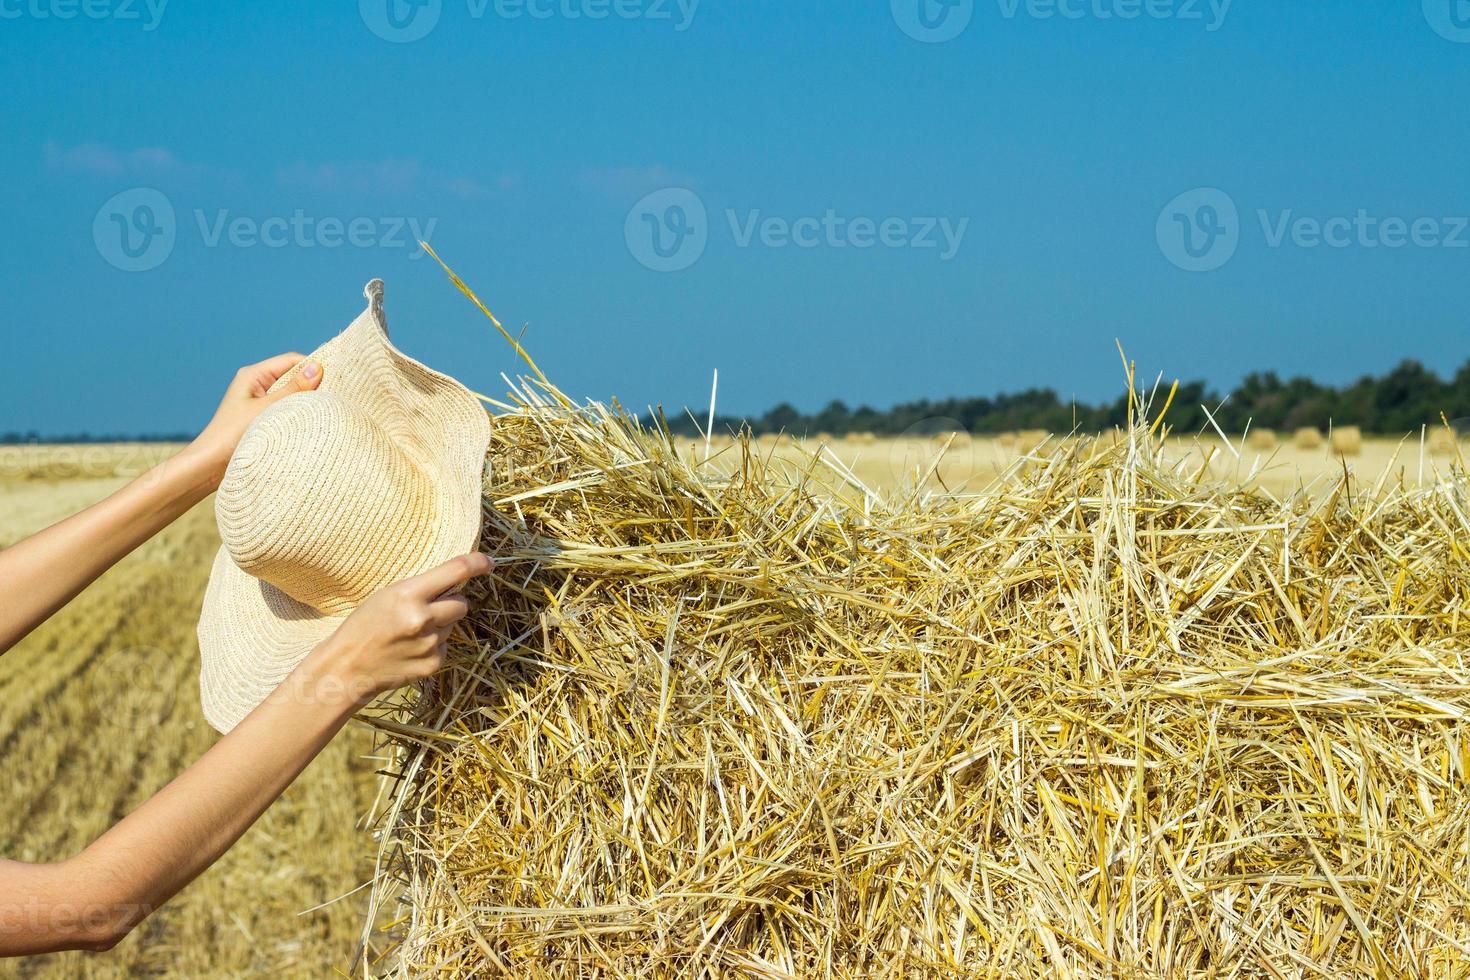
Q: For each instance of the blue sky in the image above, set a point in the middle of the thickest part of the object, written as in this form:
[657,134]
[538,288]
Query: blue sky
[804,161]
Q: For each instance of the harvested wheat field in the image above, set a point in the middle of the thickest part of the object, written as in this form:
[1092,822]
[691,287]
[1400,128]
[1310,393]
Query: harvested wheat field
[1109,716]
[99,709]
[969,464]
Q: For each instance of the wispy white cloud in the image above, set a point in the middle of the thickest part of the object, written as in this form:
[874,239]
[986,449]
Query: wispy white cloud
[378,176]
[634,180]
[103,160]
[390,177]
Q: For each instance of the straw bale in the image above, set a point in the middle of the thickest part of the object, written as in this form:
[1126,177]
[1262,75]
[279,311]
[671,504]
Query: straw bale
[1347,440]
[1308,437]
[1261,439]
[1107,719]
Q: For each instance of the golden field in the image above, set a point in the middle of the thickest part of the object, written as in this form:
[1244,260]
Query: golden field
[99,708]
[965,463]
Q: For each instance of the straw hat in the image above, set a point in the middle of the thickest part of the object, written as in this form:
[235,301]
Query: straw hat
[332,494]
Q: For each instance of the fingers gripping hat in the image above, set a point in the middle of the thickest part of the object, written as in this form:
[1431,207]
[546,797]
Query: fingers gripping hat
[332,494]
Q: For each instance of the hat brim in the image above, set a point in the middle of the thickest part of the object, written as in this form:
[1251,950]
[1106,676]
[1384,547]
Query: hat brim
[252,635]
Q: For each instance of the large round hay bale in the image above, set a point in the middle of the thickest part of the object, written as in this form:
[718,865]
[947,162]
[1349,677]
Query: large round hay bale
[715,727]
[1308,437]
[1347,440]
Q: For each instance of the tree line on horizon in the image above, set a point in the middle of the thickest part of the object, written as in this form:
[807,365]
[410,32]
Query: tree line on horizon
[1393,404]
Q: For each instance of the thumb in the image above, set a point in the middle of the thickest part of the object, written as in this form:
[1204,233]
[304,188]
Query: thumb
[306,377]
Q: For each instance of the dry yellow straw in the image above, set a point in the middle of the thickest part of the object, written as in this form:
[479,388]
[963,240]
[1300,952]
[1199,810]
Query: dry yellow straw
[1103,719]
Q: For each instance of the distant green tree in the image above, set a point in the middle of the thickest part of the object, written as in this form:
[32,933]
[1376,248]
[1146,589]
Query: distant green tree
[1399,402]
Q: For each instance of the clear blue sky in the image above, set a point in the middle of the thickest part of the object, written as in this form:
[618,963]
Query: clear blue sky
[527,141]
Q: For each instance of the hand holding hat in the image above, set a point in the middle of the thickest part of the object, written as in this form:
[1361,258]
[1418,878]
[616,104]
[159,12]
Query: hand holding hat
[397,636]
[250,393]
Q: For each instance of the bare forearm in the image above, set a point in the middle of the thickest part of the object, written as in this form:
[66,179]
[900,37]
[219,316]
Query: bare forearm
[92,900]
[42,573]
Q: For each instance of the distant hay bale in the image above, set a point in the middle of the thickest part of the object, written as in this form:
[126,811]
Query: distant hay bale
[1105,441]
[863,438]
[1029,439]
[1261,439]
[1007,440]
[823,437]
[1308,437]
[1347,440]
[1108,719]
[1442,441]
[955,439]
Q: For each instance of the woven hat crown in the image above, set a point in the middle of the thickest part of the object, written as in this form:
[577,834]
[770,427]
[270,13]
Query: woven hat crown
[321,503]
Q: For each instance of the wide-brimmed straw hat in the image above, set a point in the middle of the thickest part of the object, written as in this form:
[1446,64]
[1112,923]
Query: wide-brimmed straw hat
[332,494]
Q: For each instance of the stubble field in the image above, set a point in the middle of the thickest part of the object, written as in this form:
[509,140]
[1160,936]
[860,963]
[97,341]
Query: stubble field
[99,707]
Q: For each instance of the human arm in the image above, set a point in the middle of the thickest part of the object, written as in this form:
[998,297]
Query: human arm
[44,572]
[92,900]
